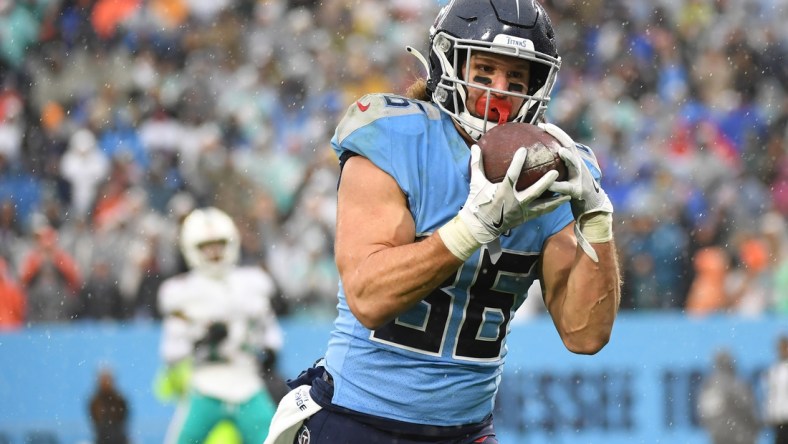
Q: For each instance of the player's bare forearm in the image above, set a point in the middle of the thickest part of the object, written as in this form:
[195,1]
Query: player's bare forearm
[583,296]
[592,299]
[391,280]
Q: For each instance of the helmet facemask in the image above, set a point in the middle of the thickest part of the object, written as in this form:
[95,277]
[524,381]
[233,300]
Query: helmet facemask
[451,90]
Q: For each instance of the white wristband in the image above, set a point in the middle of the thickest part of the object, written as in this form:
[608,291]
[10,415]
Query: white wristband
[458,239]
[597,228]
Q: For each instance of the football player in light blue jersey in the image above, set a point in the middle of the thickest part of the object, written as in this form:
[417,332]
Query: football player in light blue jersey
[434,259]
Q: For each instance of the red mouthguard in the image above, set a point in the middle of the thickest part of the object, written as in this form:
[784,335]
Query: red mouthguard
[498,106]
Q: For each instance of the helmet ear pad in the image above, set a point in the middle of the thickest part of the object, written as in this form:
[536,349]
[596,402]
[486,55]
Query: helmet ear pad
[538,78]
[458,62]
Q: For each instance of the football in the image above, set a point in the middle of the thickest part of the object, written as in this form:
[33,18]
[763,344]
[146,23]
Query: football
[499,144]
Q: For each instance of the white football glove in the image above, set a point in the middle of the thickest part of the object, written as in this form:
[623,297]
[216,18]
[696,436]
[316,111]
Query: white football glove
[493,208]
[591,207]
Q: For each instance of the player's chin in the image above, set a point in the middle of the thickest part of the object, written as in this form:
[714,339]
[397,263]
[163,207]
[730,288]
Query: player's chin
[492,117]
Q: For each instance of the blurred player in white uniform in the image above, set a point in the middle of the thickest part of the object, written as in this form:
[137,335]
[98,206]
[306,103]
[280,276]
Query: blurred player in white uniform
[218,322]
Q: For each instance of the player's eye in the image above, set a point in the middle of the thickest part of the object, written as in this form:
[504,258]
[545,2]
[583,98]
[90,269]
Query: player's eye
[487,69]
[516,75]
[517,80]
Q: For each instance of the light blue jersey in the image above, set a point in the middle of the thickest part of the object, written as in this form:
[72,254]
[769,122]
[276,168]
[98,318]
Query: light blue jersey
[439,363]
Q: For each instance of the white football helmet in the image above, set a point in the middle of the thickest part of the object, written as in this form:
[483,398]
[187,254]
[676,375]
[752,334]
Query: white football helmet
[206,225]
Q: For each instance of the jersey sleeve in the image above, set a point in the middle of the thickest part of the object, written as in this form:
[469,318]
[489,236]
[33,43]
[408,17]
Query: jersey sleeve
[176,342]
[266,330]
[363,131]
[168,299]
[404,138]
[386,129]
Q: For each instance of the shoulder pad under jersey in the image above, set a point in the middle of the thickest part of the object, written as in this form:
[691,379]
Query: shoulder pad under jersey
[171,293]
[377,107]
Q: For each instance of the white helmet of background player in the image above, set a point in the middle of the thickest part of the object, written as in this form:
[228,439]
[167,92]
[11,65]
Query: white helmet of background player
[518,28]
[204,231]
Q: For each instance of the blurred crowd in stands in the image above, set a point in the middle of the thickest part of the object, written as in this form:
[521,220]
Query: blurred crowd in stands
[117,117]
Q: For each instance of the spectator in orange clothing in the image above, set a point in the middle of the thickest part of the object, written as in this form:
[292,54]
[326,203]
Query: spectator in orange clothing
[750,287]
[109,14]
[50,277]
[708,294]
[13,303]
[169,13]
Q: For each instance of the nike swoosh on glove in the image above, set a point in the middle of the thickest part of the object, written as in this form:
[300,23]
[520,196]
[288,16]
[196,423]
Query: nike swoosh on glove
[494,208]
